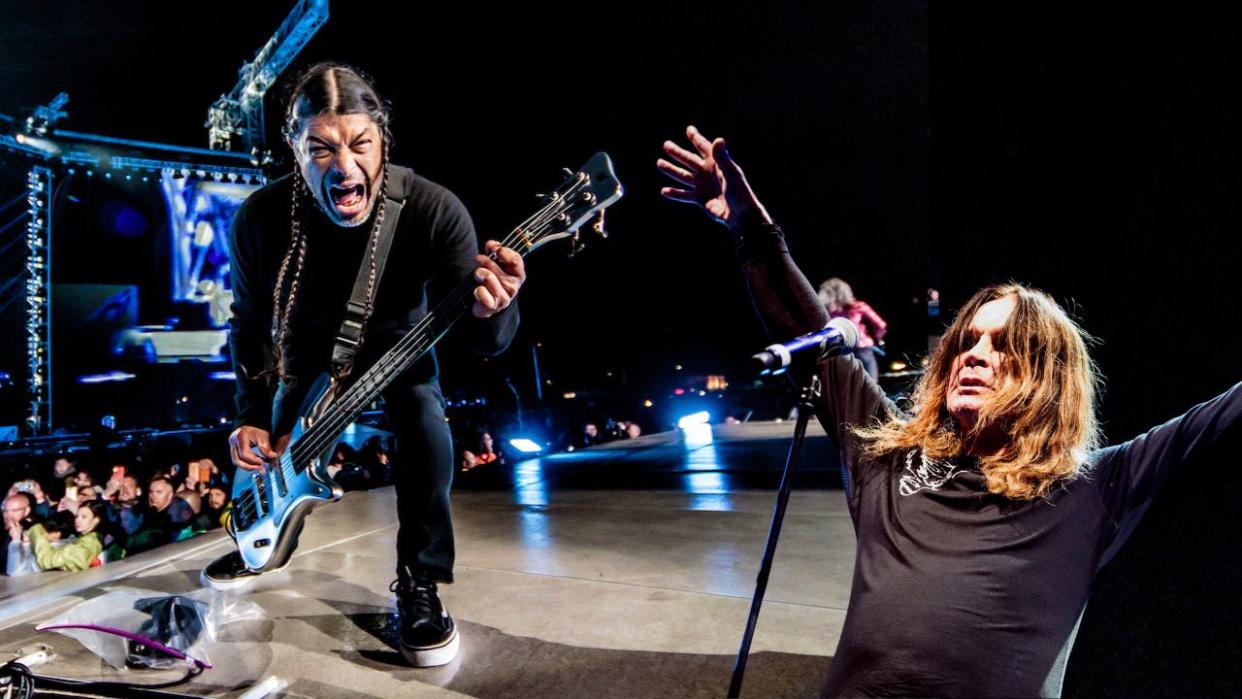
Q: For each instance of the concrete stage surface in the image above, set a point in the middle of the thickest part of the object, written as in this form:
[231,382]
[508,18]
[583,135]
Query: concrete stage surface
[617,571]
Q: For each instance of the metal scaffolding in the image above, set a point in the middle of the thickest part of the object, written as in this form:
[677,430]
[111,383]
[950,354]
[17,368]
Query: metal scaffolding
[38,299]
[238,115]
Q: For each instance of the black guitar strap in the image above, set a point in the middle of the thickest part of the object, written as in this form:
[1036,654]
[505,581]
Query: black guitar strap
[359,308]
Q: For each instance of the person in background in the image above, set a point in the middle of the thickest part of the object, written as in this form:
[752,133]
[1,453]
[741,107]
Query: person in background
[216,508]
[18,519]
[42,507]
[485,453]
[79,553]
[839,301]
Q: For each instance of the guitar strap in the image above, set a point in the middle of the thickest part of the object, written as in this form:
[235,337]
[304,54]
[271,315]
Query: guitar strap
[359,308]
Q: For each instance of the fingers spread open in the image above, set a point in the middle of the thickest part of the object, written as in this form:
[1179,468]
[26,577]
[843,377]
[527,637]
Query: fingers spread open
[699,141]
[684,156]
[684,195]
[679,174]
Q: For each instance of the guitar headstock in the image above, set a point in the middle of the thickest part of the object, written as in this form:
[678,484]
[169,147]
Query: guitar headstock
[581,198]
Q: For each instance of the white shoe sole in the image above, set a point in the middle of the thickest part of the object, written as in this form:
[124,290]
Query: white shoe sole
[442,654]
[236,583]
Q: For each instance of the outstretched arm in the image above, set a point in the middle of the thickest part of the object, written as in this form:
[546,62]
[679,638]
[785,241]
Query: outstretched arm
[787,304]
[708,177]
[1129,475]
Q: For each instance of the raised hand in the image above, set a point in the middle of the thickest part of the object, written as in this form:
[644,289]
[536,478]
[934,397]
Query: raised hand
[708,177]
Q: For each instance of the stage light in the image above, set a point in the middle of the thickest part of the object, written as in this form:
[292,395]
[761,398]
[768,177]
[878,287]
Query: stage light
[105,378]
[702,393]
[223,376]
[647,404]
[700,418]
[678,367]
[525,446]
[898,366]
[569,395]
[679,391]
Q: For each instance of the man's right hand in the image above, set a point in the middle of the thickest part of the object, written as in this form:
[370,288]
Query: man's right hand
[241,444]
[710,179]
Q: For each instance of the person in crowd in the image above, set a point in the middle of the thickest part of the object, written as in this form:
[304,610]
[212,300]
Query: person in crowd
[42,506]
[63,467]
[125,495]
[838,299]
[590,435]
[216,507]
[375,459]
[79,553]
[18,519]
[484,453]
[165,518]
[84,480]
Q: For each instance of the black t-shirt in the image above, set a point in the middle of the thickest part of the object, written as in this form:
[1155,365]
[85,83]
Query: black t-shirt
[958,591]
[433,250]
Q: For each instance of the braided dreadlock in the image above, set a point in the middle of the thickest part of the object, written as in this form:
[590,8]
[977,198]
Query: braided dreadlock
[324,88]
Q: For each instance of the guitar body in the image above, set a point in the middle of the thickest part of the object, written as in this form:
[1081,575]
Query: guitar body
[269,505]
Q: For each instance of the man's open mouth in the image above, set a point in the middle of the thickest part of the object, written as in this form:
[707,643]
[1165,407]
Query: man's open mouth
[347,197]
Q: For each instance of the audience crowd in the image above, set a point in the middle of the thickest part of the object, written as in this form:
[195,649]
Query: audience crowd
[70,521]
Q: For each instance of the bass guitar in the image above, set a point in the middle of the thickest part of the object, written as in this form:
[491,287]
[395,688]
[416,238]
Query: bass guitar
[269,505]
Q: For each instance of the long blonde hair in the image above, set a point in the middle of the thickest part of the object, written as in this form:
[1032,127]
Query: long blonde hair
[1044,401]
[836,294]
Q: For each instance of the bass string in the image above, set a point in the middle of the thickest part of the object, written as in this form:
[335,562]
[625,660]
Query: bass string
[378,376]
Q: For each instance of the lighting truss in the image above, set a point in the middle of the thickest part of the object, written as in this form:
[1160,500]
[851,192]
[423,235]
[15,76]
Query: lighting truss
[38,299]
[239,114]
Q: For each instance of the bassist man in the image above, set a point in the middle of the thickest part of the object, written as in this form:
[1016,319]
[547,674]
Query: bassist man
[295,248]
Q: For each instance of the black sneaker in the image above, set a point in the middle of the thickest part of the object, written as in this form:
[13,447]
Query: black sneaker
[229,572]
[428,635]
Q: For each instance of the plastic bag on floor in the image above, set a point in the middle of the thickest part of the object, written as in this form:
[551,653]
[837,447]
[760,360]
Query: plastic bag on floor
[137,628]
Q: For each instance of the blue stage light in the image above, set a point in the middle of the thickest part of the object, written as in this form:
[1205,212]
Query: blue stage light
[700,418]
[525,446]
[105,378]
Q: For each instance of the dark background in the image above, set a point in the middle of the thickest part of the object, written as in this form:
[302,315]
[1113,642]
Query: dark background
[1094,154]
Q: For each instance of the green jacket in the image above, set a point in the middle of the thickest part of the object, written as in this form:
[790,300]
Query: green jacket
[74,555]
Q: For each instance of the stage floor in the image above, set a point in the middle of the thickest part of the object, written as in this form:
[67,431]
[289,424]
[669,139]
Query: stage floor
[562,589]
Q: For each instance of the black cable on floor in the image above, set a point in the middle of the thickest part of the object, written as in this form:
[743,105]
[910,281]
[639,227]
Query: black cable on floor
[27,684]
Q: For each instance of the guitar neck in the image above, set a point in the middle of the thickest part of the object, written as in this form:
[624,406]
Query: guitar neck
[582,196]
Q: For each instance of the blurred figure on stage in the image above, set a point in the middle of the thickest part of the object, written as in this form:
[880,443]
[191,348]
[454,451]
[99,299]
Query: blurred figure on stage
[838,299]
[984,513]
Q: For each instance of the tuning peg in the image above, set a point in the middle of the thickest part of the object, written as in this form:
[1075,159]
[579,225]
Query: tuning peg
[598,226]
[568,172]
[576,245]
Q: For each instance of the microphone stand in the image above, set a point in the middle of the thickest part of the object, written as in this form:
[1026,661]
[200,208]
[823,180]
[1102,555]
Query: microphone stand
[806,406]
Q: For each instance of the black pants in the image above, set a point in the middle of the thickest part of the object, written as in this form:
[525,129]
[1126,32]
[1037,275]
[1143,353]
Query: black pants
[423,476]
[422,471]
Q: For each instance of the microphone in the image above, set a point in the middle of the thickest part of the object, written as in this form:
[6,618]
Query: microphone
[838,337]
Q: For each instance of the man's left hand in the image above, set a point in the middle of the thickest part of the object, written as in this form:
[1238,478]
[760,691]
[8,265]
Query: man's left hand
[499,280]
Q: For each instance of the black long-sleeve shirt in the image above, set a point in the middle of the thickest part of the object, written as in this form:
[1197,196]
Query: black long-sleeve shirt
[433,250]
[958,591]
